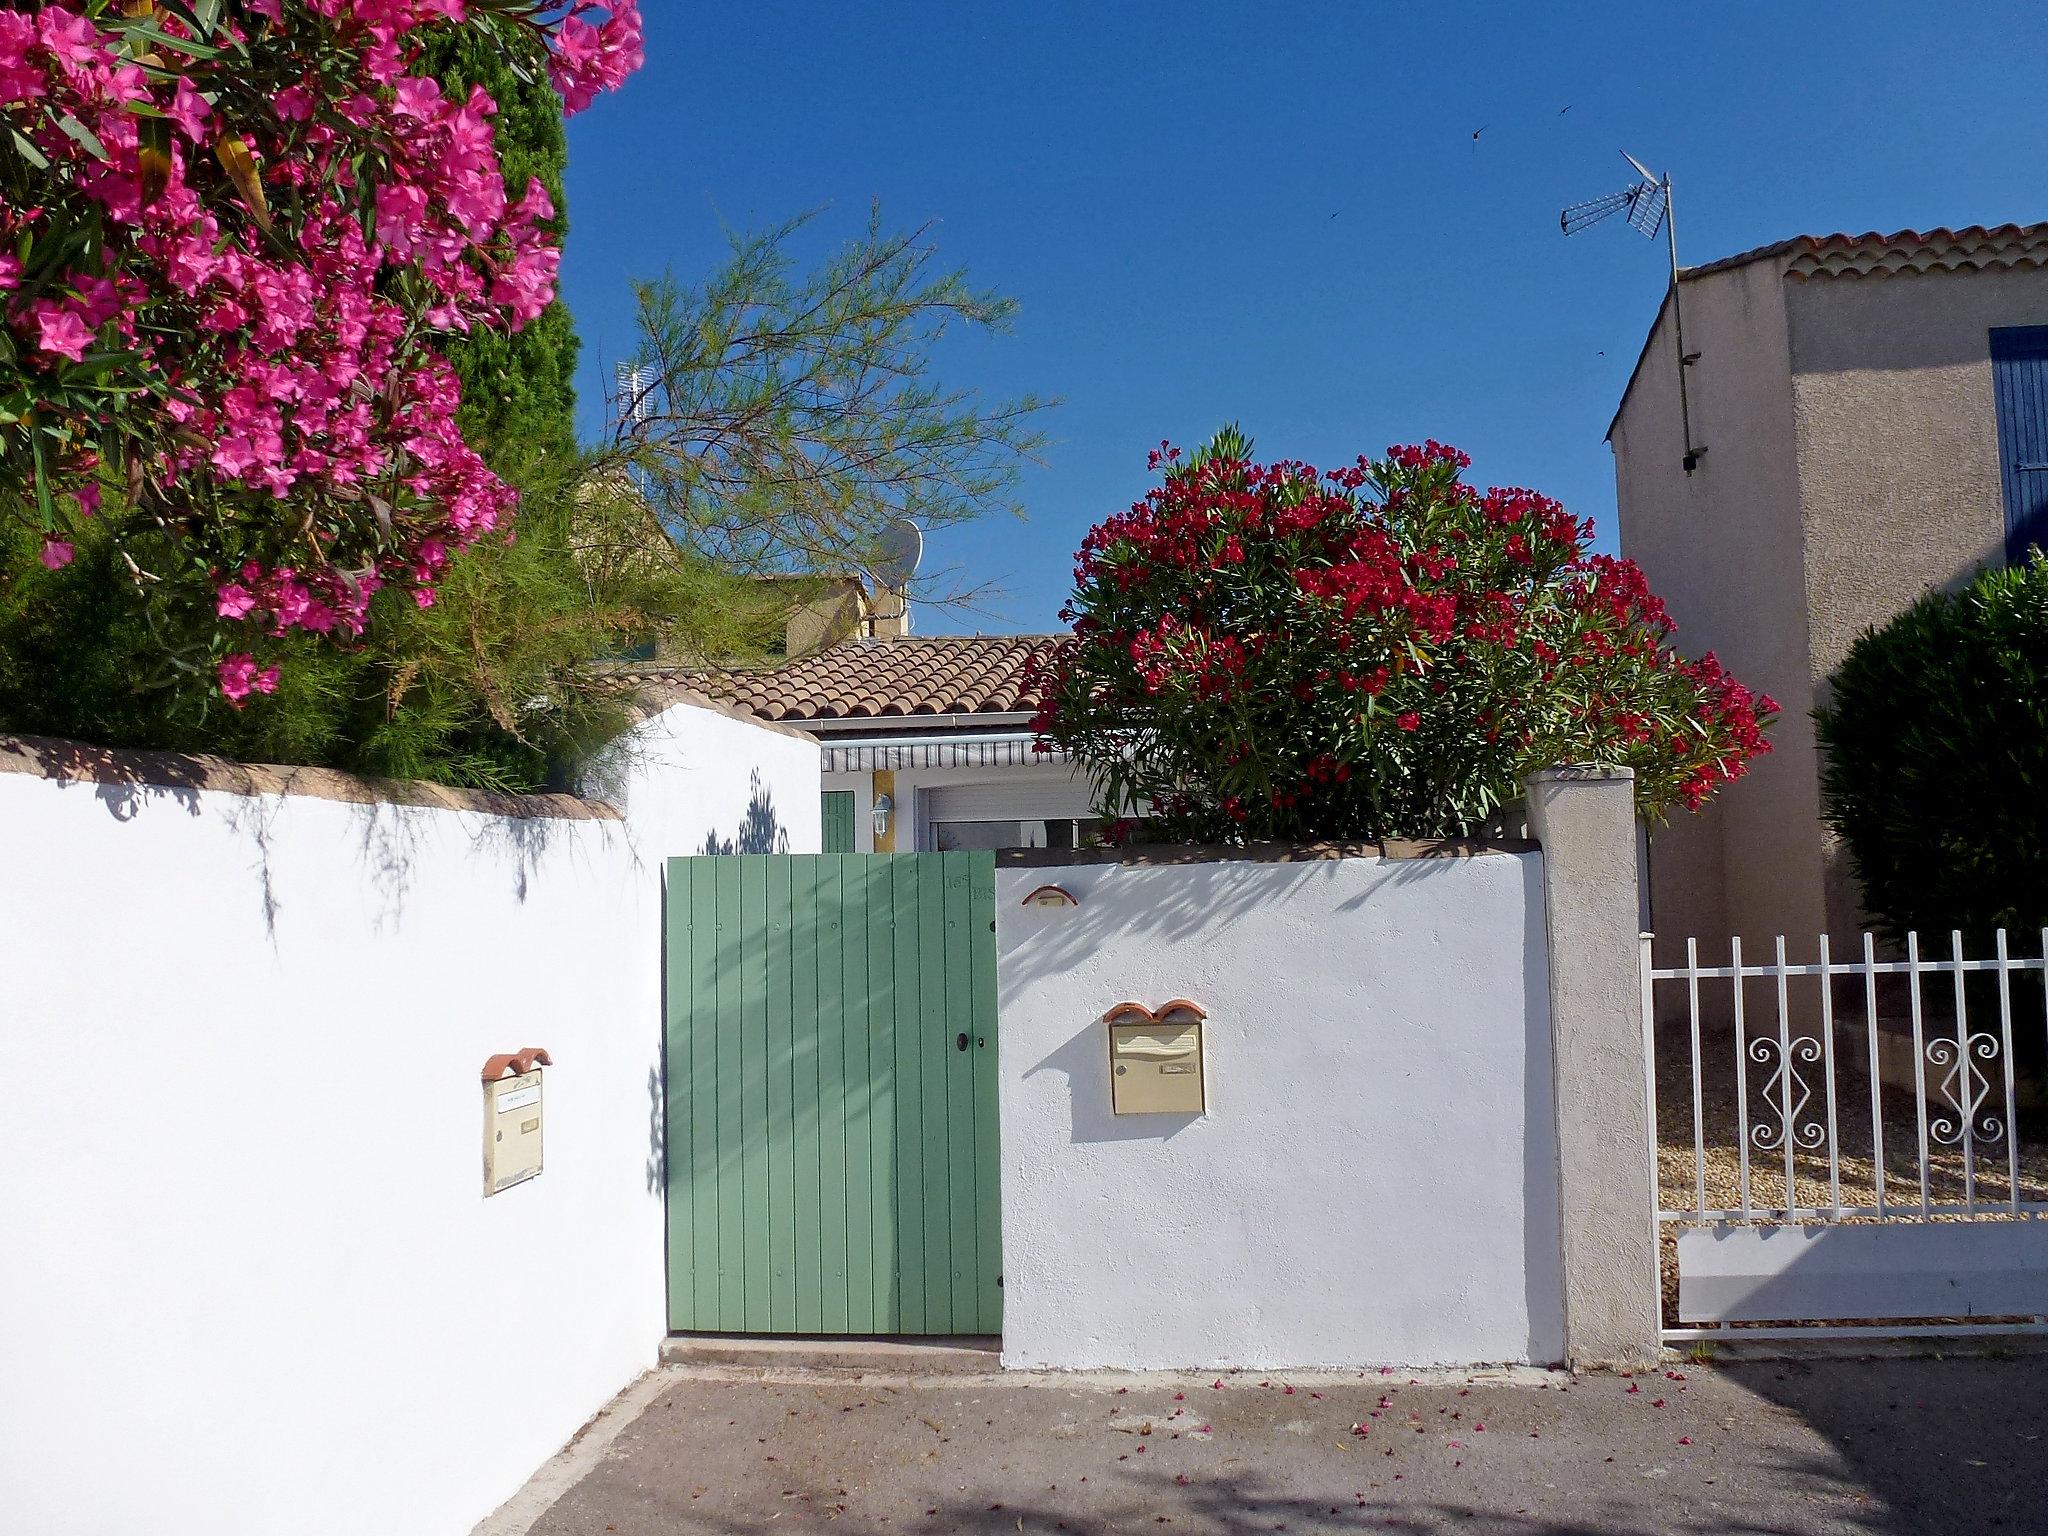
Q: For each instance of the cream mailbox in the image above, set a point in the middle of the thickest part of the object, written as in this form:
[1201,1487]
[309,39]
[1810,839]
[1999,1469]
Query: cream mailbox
[512,1118]
[1155,1059]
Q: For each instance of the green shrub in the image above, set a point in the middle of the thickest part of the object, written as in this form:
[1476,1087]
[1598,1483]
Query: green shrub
[489,688]
[1936,762]
[518,387]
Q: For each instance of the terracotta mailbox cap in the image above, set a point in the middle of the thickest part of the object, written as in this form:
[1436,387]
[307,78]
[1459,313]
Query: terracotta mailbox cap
[517,1064]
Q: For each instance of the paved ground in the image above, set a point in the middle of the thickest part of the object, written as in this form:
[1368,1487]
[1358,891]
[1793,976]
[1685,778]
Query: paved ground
[1834,1446]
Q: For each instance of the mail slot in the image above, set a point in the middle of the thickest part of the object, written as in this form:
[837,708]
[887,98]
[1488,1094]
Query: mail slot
[1155,1060]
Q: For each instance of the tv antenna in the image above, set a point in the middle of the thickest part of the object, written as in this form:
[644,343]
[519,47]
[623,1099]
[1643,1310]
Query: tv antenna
[1646,204]
[635,388]
[898,553]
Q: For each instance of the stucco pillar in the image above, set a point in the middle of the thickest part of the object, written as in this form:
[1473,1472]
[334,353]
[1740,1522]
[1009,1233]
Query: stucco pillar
[1585,819]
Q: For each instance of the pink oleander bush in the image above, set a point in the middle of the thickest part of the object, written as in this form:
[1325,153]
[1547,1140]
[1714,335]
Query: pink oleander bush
[1269,651]
[234,238]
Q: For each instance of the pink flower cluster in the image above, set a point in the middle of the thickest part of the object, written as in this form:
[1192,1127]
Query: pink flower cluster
[240,676]
[589,60]
[286,224]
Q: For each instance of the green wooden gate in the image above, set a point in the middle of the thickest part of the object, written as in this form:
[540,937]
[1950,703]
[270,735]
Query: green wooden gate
[831,1146]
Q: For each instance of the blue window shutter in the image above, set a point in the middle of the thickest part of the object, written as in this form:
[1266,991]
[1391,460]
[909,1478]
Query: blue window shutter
[2019,382]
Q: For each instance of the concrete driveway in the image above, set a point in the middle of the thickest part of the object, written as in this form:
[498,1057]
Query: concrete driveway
[1835,1446]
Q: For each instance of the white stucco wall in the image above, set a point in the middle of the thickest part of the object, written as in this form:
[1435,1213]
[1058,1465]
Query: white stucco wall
[1375,1179]
[249,1282]
[694,779]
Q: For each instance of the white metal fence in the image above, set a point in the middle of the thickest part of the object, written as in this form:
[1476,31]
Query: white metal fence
[1808,1114]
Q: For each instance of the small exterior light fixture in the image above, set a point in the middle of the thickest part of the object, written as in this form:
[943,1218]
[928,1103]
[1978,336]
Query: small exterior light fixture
[884,808]
[1052,896]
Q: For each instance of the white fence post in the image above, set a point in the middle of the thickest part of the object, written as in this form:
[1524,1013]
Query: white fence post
[1585,819]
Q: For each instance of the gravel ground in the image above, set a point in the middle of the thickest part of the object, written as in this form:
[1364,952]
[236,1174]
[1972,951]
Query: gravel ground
[1678,1168]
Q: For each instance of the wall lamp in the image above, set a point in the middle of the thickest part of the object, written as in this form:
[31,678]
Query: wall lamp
[884,808]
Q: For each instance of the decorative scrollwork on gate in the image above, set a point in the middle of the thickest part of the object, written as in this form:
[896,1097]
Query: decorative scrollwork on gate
[1965,1088]
[1806,1132]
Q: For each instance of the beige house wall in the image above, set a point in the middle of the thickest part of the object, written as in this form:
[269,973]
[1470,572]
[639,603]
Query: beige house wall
[1722,546]
[1898,454]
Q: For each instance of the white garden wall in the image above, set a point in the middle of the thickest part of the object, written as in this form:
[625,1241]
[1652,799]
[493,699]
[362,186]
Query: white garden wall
[249,1282]
[1375,1178]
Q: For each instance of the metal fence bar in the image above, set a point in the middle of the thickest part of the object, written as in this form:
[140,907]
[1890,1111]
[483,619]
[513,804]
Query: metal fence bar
[1853,1331]
[1786,1131]
[1878,967]
[1957,1088]
[1827,1047]
[1876,1080]
[1741,1075]
[1689,1216]
[1699,1115]
[1964,1099]
[2012,1121]
[1919,1061]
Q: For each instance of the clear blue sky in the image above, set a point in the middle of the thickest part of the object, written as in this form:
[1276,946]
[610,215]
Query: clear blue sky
[1277,214]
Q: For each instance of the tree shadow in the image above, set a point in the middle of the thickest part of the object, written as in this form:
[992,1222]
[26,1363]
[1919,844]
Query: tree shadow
[657,1133]
[124,782]
[391,821]
[1252,1503]
[1935,1444]
[760,829]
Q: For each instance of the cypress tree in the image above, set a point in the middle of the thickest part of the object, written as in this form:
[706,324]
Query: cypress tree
[518,392]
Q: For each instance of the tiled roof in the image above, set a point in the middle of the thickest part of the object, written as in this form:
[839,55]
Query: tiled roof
[1909,250]
[909,675]
[1973,249]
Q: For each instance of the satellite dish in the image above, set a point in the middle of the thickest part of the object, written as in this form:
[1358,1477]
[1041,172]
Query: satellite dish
[897,554]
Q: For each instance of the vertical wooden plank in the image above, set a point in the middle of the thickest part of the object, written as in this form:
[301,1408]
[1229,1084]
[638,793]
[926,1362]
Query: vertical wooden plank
[677,985]
[753,1006]
[781,1109]
[703,1190]
[909,1088]
[881,910]
[988,1193]
[859,999]
[963,1187]
[935,1052]
[837,833]
[732,1195]
[832,1090]
[804,967]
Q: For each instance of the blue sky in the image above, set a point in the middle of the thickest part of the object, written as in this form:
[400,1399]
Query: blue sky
[1276,213]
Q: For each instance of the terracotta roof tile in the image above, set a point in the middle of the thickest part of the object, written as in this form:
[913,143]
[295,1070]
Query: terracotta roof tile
[1974,248]
[904,676]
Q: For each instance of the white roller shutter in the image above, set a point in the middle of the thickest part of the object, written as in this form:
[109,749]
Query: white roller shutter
[1047,801]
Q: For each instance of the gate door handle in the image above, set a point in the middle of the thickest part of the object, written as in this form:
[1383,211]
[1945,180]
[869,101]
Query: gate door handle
[960,1042]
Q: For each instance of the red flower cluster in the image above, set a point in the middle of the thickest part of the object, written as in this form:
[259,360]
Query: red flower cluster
[1376,650]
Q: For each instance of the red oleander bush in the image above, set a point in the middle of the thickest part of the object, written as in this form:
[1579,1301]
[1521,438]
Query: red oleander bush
[1266,651]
